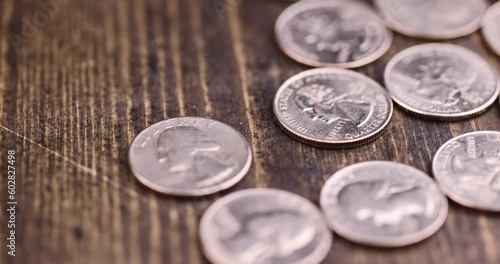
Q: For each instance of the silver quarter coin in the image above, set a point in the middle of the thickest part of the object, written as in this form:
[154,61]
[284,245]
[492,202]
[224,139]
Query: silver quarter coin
[433,19]
[264,226]
[491,27]
[467,169]
[383,204]
[441,82]
[335,33]
[189,156]
[332,108]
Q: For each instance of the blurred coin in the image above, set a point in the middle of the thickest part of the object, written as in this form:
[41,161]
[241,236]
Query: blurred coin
[189,156]
[468,169]
[433,19]
[441,82]
[332,108]
[491,27]
[264,226]
[383,204]
[337,33]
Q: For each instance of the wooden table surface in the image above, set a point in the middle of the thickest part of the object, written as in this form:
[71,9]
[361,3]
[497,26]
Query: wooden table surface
[80,79]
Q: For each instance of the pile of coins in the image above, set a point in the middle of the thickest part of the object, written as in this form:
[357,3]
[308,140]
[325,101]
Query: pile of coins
[377,203]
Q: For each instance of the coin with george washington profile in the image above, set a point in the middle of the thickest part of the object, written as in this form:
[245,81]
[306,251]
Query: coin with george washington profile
[332,33]
[332,108]
[441,82]
[491,27]
[382,203]
[189,156]
[467,168]
[264,226]
[432,19]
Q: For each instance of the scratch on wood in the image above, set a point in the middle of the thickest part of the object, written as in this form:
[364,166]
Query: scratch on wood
[173,14]
[78,165]
[454,129]
[175,236]
[200,48]
[192,230]
[154,231]
[489,240]
[159,42]
[146,73]
[235,28]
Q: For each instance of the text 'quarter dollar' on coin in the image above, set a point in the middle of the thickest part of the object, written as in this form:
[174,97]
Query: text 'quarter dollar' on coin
[264,226]
[441,82]
[433,19]
[332,33]
[332,108]
[189,156]
[384,204]
[467,168]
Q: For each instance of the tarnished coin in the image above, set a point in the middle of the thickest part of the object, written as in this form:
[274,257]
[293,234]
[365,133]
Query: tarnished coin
[189,156]
[264,226]
[433,19]
[332,108]
[467,169]
[335,33]
[491,27]
[441,82]
[383,203]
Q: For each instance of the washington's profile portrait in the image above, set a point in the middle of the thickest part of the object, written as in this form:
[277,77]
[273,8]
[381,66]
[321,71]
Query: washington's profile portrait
[266,236]
[479,173]
[192,156]
[336,31]
[443,82]
[385,204]
[325,104]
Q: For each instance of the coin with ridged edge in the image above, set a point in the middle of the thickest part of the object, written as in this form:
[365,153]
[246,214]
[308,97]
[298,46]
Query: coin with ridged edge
[491,27]
[332,108]
[441,82]
[467,168]
[264,226]
[189,156]
[433,19]
[382,203]
[332,33]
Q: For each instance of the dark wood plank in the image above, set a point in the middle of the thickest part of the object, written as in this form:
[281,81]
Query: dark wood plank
[78,89]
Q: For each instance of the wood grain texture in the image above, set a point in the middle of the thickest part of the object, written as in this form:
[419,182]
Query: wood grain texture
[83,85]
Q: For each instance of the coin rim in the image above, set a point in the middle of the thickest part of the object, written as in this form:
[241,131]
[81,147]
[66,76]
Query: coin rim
[489,15]
[468,29]
[448,191]
[330,146]
[214,256]
[325,143]
[369,240]
[439,116]
[193,192]
[301,6]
